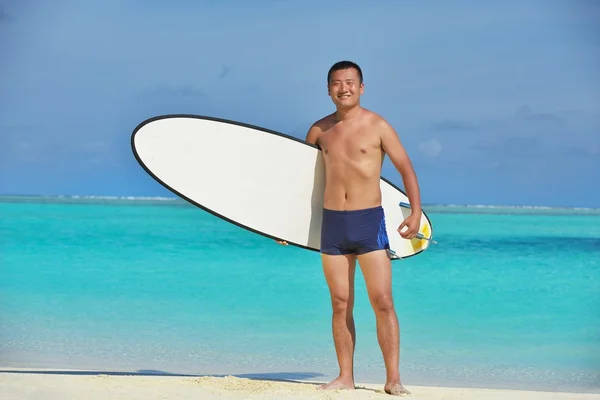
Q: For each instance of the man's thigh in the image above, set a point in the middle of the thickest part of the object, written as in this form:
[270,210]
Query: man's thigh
[376,268]
[339,273]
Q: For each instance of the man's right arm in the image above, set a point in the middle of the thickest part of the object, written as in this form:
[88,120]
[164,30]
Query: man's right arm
[312,136]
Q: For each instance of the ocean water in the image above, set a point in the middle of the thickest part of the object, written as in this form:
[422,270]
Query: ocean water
[509,297]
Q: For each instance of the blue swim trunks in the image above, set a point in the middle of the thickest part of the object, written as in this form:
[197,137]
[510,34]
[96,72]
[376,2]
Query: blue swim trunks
[353,232]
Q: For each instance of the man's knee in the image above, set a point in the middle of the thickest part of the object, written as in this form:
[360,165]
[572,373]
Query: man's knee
[340,303]
[383,302]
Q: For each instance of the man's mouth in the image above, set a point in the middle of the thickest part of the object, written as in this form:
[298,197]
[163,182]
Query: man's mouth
[344,96]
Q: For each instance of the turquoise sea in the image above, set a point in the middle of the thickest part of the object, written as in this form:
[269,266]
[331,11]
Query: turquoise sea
[509,297]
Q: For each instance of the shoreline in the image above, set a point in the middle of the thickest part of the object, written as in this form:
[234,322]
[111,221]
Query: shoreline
[57,383]
[520,380]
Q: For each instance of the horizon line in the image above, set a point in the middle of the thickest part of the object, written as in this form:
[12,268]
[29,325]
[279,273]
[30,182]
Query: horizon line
[177,198]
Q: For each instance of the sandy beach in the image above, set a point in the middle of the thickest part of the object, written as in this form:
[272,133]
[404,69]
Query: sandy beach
[22,384]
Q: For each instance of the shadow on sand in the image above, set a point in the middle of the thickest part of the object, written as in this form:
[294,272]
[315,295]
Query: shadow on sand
[291,377]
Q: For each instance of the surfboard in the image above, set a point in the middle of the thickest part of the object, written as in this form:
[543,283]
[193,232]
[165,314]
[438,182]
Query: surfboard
[261,180]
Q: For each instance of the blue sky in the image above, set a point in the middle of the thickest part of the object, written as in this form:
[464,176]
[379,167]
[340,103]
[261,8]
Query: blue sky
[496,102]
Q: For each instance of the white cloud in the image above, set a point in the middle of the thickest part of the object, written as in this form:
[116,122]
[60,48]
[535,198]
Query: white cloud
[431,148]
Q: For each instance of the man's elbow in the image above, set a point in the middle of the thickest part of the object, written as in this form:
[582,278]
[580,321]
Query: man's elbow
[405,167]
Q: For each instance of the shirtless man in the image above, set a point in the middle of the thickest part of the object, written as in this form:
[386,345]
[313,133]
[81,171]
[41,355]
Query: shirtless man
[354,142]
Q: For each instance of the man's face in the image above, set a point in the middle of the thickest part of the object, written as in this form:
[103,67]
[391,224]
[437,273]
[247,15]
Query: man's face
[345,87]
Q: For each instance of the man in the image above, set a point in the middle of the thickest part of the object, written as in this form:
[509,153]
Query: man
[354,142]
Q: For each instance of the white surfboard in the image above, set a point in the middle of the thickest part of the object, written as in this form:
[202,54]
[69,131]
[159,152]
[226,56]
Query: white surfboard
[258,179]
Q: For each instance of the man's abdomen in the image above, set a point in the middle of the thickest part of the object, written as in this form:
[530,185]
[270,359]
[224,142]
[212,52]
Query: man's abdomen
[357,195]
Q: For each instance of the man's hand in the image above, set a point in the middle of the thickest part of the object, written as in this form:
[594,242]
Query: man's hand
[410,226]
[282,242]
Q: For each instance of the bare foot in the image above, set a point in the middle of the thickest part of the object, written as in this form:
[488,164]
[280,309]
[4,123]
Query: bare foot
[395,389]
[338,383]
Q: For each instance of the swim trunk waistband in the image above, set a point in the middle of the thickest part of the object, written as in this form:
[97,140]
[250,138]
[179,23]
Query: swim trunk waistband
[353,212]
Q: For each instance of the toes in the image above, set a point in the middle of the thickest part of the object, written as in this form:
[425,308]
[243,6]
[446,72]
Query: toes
[396,390]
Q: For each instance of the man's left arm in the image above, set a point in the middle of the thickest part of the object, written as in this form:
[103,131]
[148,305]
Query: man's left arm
[398,156]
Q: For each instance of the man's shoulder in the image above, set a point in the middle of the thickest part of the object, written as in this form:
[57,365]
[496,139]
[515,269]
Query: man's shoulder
[324,123]
[318,127]
[374,118]
[377,123]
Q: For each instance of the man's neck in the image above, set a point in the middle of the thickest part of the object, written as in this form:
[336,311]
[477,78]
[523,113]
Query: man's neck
[347,113]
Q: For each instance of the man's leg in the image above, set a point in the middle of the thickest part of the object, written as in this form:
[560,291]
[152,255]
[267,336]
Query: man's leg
[377,271]
[339,273]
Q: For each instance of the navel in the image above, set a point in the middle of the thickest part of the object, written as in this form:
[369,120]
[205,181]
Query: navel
[363,150]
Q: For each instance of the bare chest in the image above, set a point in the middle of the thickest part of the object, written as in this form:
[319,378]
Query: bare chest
[351,142]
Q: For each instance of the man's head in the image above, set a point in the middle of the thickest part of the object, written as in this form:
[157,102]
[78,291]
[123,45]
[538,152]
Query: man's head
[345,83]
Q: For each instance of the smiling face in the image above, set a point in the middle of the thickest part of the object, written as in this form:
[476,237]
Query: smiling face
[345,87]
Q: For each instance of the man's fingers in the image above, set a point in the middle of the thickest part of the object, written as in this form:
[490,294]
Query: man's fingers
[414,231]
[407,232]
[404,230]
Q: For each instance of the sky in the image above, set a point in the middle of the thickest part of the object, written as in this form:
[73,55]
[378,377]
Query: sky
[496,102]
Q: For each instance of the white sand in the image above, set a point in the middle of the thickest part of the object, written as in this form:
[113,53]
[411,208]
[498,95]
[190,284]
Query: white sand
[23,385]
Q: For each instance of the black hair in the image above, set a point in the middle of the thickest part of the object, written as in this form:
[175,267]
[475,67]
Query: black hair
[344,65]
